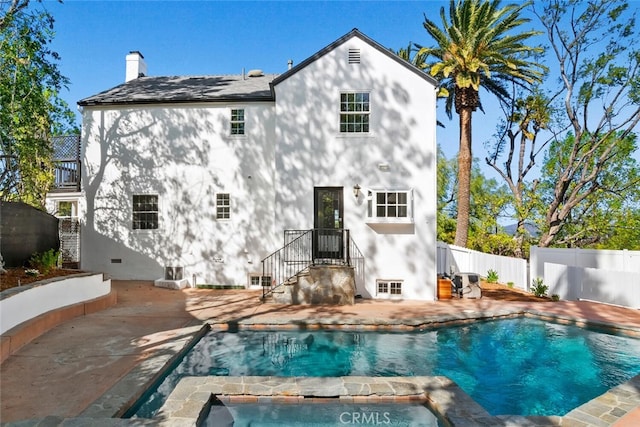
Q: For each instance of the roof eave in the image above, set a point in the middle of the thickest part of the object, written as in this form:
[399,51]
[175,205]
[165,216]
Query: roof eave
[354,33]
[92,103]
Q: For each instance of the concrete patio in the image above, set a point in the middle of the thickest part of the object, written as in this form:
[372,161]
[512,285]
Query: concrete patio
[92,366]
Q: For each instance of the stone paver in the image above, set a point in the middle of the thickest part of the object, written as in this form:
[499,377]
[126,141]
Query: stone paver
[94,366]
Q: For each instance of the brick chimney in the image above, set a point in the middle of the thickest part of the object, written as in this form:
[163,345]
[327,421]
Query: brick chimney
[136,67]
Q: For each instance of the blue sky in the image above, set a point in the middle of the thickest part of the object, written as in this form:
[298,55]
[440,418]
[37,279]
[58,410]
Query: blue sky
[223,37]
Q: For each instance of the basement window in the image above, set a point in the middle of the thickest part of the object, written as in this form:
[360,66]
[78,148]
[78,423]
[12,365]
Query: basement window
[256,280]
[145,211]
[389,288]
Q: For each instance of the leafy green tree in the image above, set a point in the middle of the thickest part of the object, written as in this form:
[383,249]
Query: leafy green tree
[594,47]
[479,45]
[605,206]
[30,107]
[411,54]
[514,150]
[446,191]
[490,201]
[8,8]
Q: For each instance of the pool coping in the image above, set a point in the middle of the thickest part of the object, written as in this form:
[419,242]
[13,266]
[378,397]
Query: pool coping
[603,410]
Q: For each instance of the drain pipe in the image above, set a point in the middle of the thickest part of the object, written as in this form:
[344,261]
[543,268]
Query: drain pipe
[194,281]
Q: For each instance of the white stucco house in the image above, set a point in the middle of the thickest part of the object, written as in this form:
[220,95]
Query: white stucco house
[212,173]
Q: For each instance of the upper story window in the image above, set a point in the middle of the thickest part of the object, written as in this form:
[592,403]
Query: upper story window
[237,121]
[223,206]
[354,112]
[390,206]
[145,211]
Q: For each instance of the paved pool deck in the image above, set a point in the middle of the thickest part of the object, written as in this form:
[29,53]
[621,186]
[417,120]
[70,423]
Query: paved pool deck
[88,368]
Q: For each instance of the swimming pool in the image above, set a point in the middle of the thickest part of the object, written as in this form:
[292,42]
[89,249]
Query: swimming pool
[320,415]
[518,366]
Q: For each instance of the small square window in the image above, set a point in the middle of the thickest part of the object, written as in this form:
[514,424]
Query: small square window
[383,287]
[145,211]
[223,206]
[395,288]
[67,209]
[237,121]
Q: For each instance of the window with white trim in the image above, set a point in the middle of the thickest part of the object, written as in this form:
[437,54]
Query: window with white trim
[389,287]
[145,211]
[223,206]
[258,280]
[237,121]
[354,112]
[390,205]
[67,209]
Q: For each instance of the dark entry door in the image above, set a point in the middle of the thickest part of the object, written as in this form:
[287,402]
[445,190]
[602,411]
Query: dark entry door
[328,223]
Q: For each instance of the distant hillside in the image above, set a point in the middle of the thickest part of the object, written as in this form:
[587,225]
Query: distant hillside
[531,229]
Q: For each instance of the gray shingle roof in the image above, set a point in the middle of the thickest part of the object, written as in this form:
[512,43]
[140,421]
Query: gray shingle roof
[177,89]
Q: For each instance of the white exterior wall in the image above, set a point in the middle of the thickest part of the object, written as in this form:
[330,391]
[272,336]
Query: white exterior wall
[184,154]
[311,152]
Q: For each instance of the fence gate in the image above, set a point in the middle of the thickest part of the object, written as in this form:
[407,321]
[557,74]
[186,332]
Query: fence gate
[70,242]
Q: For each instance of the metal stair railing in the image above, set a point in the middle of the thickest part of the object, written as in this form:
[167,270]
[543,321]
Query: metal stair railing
[304,248]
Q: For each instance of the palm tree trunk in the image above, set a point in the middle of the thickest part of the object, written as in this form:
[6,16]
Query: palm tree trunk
[464,177]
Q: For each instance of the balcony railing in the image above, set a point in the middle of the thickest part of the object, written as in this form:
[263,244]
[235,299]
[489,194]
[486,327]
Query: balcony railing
[66,161]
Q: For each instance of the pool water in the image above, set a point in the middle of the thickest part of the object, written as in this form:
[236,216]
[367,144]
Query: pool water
[320,415]
[517,366]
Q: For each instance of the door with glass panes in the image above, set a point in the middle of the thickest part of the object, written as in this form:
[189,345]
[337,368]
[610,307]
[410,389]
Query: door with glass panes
[328,223]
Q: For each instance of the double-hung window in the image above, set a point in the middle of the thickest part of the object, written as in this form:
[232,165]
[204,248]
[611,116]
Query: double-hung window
[145,211]
[390,205]
[237,121]
[354,112]
[223,206]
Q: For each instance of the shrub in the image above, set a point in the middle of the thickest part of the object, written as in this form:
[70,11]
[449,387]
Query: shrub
[510,285]
[492,276]
[539,289]
[31,272]
[45,261]
[555,297]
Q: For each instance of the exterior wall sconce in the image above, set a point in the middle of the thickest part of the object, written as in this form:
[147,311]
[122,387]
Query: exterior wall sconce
[356,191]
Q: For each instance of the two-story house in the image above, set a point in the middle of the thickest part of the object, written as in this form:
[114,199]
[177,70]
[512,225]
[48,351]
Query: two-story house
[213,174]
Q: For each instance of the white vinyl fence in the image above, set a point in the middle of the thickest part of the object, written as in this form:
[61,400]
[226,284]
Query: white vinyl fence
[454,258]
[612,277]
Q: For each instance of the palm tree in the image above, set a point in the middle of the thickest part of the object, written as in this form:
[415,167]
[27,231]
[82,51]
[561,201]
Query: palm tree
[412,55]
[480,47]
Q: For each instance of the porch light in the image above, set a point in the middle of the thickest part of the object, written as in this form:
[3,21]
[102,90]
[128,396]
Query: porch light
[356,191]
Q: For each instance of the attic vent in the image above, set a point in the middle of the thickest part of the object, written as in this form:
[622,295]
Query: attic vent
[354,56]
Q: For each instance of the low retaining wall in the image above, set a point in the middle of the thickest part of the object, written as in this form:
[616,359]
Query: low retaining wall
[29,311]
[321,284]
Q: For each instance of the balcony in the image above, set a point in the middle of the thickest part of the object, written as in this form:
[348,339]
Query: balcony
[66,163]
